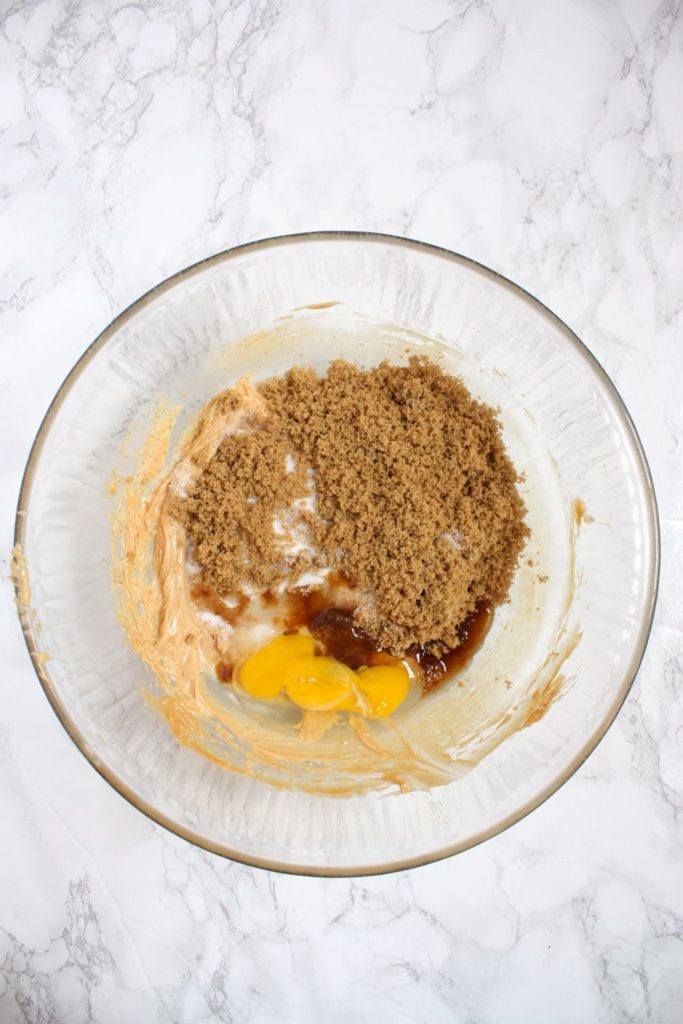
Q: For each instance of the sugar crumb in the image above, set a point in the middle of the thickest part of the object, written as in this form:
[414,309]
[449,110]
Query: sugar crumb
[417,501]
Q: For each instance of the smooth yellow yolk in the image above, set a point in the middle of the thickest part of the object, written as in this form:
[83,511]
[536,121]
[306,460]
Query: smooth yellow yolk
[317,683]
[381,689]
[261,674]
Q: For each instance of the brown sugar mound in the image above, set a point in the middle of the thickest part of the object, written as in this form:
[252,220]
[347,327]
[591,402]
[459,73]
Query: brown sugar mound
[416,498]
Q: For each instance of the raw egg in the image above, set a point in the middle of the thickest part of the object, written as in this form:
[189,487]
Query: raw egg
[382,688]
[320,683]
[261,675]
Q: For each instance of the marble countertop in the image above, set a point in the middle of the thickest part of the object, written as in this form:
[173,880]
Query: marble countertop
[545,140]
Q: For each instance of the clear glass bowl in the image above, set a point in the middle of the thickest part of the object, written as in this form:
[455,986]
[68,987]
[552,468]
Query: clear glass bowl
[562,653]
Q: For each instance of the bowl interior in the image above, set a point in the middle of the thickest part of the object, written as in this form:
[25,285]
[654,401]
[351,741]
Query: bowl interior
[562,653]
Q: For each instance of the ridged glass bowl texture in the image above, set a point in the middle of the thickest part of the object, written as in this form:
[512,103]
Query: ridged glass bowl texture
[566,429]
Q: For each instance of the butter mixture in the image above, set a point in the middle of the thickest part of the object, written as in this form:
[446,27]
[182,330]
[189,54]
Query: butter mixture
[317,556]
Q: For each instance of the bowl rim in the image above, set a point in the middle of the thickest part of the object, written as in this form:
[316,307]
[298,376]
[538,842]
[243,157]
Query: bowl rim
[400,864]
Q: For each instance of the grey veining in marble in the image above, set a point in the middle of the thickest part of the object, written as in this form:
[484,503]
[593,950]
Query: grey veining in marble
[545,140]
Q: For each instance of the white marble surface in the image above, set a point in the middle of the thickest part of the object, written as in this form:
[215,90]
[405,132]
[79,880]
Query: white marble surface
[544,139]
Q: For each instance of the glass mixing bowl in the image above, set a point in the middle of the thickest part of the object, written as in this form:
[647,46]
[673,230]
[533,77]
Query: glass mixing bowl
[561,655]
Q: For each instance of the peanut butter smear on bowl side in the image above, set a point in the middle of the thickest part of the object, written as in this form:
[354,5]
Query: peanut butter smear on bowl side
[416,500]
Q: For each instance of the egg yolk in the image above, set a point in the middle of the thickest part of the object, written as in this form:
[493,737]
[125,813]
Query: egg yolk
[319,683]
[261,673]
[382,688]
